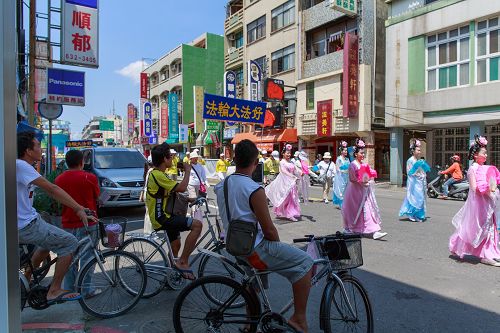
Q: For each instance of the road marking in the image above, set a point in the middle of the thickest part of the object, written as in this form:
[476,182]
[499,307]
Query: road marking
[68,326]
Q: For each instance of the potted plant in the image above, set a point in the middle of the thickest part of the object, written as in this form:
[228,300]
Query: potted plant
[45,205]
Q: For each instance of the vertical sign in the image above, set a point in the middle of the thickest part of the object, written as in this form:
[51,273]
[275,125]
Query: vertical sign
[144,85]
[80,33]
[254,78]
[183,133]
[350,76]
[130,118]
[324,118]
[164,120]
[148,123]
[198,108]
[230,84]
[173,117]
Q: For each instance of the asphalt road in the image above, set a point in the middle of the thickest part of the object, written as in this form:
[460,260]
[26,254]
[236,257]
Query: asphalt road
[413,284]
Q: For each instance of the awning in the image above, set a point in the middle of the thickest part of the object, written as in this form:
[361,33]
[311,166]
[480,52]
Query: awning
[288,135]
[243,136]
[268,136]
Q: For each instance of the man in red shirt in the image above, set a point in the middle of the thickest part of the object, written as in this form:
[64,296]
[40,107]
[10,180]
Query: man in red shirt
[83,187]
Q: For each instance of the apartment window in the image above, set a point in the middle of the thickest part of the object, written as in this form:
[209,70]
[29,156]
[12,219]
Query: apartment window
[256,29]
[239,76]
[310,95]
[283,60]
[448,59]
[283,15]
[328,39]
[488,50]
[310,3]
[238,39]
[262,64]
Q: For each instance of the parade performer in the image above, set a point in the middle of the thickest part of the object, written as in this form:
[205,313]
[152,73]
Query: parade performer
[221,166]
[414,206]
[342,175]
[304,180]
[272,164]
[360,210]
[476,222]
[282,192]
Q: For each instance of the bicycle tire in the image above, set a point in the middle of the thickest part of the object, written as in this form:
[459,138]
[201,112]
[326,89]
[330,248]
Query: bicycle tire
[148,251]
[106,290]
[335,302]
[192,296]
[24,292]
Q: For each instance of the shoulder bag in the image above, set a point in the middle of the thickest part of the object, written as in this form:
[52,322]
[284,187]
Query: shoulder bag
[241,235]
[203,188]
[322,178]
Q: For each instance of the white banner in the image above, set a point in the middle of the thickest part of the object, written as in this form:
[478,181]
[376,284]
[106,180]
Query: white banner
[183,133]
[80,34]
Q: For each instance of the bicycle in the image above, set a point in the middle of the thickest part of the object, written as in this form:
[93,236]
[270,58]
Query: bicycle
[110,284]
[344,300]
[159,264]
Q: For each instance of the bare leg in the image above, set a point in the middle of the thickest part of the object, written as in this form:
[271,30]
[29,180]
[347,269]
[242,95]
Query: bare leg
[301,290]
[176,246]
[190,244]
[62,266]
[36,260]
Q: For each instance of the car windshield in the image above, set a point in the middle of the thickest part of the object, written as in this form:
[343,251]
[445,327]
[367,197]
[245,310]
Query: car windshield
[119,159]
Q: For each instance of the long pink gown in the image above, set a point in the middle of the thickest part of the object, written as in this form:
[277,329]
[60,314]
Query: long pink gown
[476,222]
[359,200]
[282,192]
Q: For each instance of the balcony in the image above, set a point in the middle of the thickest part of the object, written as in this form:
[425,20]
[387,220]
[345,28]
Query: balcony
[233,22]
[233,57]
[319,15]
[328,63]
[289,121]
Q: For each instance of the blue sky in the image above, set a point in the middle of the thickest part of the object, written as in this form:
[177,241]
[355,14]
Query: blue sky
[130,31]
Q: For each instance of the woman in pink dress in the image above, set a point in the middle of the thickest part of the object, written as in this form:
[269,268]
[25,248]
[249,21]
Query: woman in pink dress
[282,192]
[476,222]
[360,209]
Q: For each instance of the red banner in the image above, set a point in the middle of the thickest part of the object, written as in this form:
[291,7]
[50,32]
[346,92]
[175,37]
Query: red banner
[350,76]
[324,118]
[144,85]
[164,120]
[131,118]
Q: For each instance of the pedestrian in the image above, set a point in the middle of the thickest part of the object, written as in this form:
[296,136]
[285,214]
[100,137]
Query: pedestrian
[263,157]
[172,170]
[341,175]
[456,175]
[147,228]
[186,158]
[326,174]
[360,210]
[221,166]
[282,192]
[272,164]
[83,187]
[414,205]
[197,178]
[476,222]
[304,180]
[200,158]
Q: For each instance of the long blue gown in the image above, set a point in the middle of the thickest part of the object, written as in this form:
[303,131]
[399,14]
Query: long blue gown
[414,205]
[341,180]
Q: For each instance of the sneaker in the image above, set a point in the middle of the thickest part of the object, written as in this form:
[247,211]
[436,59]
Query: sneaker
[379,235]
[326,201]
[491,262]
[413,219]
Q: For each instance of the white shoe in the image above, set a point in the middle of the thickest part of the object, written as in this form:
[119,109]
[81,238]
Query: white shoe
[491,262]
[347,231]
[326,201]
[413,219]
[379,235]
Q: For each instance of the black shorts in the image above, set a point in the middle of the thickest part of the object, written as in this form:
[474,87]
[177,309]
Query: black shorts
[175,225]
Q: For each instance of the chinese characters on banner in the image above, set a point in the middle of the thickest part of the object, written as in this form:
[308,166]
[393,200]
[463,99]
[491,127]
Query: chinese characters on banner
[350,76]
[348,7]
[164,120]
[130,118]
[324,118]
[183,133]
[148,122]
[173,117]
[231,109]
[80,34]
[144,85]
[198,109]
[254,79]
[230,84]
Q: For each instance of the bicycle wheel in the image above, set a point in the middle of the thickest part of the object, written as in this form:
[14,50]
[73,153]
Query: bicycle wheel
[111,285]
[154,259]
[24,291]
[194,312]
[337,316]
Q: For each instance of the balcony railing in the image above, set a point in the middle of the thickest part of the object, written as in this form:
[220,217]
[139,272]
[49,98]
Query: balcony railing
[235,56]
[324,64]
[289,121]
[233,22]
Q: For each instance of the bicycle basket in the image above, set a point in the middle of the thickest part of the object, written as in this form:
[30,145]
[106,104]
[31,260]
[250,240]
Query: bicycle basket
[112,231]
[343,253]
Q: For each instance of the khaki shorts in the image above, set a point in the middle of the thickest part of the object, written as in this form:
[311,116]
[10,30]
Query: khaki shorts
[193,191]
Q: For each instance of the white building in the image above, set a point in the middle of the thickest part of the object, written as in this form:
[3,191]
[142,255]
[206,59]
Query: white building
[104,130]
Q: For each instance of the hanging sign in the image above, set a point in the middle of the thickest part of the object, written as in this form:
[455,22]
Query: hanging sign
[350,76]
[324,118]
[148,122]
[164,120]
[173,117]
[232,109]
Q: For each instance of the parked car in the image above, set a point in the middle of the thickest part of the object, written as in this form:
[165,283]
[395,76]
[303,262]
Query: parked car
[120,173]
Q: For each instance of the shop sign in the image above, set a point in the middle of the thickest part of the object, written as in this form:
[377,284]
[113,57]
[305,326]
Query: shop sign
[144,140]
[65,87]
[348,7]
[173,117]
[164,120]
[80,33]
[265,146]
[274,90]
[230,84]
[144,85]
[79,143]
[148,122]
[254,79]
[351,76]
[211,125]
[231,109]
[324,118]
[130,118]
[230,132]
[183,133]
[198,92]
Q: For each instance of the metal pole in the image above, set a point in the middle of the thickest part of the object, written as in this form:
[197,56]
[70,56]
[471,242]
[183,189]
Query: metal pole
[49,150]
[10,316]
[32,53]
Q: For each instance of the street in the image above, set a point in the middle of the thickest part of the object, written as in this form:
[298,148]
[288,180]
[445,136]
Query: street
[413,284]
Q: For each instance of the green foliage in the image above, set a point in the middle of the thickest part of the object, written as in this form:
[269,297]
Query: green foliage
[43,202]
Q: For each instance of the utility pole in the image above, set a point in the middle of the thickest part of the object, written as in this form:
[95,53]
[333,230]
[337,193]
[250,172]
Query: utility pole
[32,55]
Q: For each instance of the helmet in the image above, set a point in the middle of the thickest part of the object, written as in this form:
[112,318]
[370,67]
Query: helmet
[455,158]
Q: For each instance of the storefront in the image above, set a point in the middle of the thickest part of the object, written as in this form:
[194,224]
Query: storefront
[269,139]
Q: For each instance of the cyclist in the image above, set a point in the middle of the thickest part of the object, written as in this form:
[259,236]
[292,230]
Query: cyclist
[32,228]
[247,202]
[161,219]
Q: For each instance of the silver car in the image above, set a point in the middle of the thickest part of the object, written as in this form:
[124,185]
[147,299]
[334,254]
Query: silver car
[120,173]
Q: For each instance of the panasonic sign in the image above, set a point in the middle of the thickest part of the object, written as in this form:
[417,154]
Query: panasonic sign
[65,87]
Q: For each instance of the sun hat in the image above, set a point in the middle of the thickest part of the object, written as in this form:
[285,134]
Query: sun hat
[275,154]
[263,152]
[172,151]
[222,154]
[327,155]
[194,154]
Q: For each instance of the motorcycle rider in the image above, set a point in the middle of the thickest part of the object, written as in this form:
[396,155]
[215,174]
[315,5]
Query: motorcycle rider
[456,175]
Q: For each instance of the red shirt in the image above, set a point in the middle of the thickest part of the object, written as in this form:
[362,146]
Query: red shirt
[83,187]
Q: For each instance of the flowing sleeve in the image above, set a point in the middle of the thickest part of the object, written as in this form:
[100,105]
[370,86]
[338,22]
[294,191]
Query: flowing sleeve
[338,163]
[283,168]
[410,170]
[353,173]
[472,179]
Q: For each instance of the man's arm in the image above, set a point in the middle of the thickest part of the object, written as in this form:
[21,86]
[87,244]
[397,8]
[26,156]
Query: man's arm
[182,186]
[261,211]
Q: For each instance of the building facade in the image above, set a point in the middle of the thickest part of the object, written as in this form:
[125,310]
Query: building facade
[442,78]
[199,63]
[60,134]
[104,130]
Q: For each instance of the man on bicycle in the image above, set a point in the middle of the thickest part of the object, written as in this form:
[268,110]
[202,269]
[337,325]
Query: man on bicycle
[159,189]
[248,202]
[32,228]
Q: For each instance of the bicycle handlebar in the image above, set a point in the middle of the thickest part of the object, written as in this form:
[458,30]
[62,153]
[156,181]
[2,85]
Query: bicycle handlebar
[198,202]
[337,235]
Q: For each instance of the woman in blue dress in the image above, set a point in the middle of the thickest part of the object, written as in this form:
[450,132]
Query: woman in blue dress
[342,175]
[414,205]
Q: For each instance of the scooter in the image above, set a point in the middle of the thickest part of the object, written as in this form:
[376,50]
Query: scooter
[314,176]
[458,190]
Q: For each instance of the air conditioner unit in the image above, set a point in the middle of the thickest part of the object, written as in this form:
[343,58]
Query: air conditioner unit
[231,50]
[339,113]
